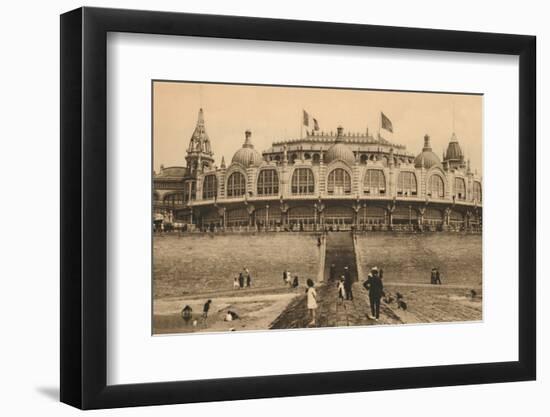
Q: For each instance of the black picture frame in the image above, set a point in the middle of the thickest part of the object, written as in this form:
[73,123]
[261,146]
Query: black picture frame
[84,207]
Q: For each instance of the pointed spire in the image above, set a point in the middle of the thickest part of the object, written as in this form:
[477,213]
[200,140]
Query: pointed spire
[223,163]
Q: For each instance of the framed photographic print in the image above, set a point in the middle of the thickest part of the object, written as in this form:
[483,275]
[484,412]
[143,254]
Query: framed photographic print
[257,207]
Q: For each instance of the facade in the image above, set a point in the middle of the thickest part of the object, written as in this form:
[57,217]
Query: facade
[324,181]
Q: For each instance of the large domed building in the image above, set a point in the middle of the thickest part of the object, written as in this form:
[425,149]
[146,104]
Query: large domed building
[325,180]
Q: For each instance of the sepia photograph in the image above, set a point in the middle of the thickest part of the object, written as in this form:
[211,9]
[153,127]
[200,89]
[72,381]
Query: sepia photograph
[288,207]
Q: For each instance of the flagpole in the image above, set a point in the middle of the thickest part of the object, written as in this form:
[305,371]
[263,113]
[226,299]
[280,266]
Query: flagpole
[302,124]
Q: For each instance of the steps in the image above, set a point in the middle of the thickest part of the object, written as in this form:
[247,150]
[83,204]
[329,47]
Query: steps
[340,253]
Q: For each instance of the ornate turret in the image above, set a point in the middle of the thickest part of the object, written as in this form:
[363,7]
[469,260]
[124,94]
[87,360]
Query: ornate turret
[199,152]
[454,157]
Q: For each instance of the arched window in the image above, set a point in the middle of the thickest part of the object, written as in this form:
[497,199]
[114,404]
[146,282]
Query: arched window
[339,182]
[268,182]
[210,187]
[460,189]
[406,184]
[477,191]
[236,185]
[375,182]
[303,181]
[436,188]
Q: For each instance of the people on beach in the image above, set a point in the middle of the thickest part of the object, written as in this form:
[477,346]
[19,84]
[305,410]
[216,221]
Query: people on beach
[341,289]
[375,287]
[248,280]
[311,301]
[186,314]
[231,315]
[348,282]
[205,309]
[295,282]
[435,276]
[285,276]
[236,283]
[241,280]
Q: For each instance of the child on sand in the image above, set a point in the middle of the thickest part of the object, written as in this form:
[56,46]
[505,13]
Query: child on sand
[311,300]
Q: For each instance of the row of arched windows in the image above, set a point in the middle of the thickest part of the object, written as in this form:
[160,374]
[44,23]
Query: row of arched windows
[339,183]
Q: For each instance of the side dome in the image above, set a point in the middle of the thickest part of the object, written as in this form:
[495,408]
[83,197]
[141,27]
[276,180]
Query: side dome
[339,151]
[427,158]
[247,155]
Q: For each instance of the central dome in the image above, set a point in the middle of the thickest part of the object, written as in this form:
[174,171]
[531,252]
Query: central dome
[247,155]
[427,158]
[339,151]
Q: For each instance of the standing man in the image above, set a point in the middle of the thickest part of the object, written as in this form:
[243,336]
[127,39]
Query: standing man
[437,277]
[205,310]
[374,286]
[348,283]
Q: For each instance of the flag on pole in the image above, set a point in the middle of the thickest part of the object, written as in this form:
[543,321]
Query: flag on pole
[386,123]
[315,124]
[305,118]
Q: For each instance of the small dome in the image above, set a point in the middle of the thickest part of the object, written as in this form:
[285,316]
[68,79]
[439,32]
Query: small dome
[427,157]
[339,151]
[453,150]
[247,155]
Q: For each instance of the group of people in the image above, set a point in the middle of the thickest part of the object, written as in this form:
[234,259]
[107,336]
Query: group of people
[243,280]
[345,283]
[435,277]
[288,280]
[187,314]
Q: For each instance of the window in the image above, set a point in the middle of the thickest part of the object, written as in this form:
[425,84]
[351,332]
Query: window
[375,182]
[303,181]
[236,185]
[173,199]
[268,182]
[460,189]
[406,184]
[477,191]
[210,187]
[339,182]
[436,187]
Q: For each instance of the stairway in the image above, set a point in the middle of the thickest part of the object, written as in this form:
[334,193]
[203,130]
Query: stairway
[340,253]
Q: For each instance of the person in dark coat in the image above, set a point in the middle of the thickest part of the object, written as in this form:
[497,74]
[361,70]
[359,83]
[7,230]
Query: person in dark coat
[437,277]
[348,282]
[205,310]
[432,276]
[248,280]
[241,280]
[375,287]
[295,283]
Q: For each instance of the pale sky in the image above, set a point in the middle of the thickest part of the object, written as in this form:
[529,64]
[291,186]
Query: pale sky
[275,113]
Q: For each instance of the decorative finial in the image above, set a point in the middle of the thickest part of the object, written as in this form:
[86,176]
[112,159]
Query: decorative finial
[248,140]
[223,162]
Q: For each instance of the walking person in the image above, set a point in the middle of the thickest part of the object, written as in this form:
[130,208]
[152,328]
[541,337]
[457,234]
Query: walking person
[375,287]
[248,280]
[348,282]
[241,280]
[437,277]
[432,276]
[205,310]
[311,301]
[295,283]
[341,289]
